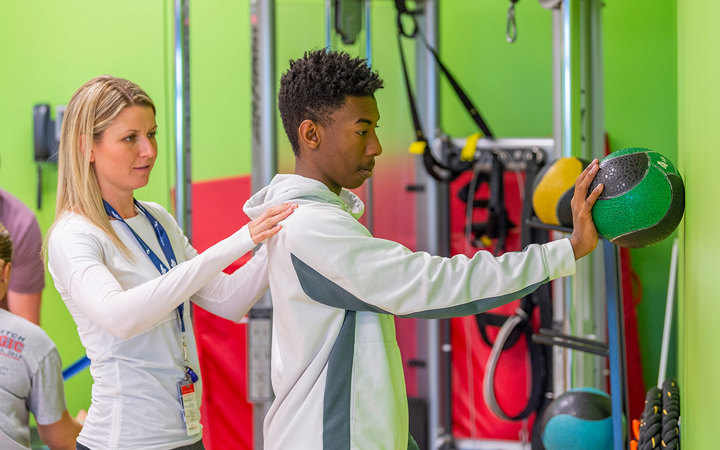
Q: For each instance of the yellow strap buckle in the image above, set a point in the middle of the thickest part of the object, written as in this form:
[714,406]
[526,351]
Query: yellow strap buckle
[486,241]
[417,147]
[468,151]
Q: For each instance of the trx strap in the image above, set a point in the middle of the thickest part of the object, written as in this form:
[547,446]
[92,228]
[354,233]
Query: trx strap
[509,333]
[498,223]
[520,321]
[520,324]
[486,232]
[435,168]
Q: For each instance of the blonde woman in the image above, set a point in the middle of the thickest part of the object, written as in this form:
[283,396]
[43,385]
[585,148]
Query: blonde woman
[128,274]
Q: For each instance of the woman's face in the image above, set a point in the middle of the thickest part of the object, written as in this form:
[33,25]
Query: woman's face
[126,152]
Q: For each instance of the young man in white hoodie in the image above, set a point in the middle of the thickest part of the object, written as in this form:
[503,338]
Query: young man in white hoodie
[336,368]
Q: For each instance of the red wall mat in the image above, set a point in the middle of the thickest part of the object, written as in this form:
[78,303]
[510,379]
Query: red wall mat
[632,295]
[226,413]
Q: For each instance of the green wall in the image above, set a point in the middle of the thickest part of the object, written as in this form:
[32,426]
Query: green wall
[640,51]
[511,84]
[699,309]
[220,88]
[48,49]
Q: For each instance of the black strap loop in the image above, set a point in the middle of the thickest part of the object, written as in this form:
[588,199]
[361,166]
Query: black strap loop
[404,11]
[435,168]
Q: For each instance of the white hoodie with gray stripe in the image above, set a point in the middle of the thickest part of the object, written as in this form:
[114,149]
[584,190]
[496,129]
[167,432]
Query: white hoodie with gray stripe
[337,374]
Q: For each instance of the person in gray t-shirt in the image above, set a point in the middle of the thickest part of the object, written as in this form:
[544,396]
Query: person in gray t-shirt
[30,376]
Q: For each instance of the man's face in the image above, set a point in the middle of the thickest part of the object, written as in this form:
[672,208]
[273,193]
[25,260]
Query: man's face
[348,144]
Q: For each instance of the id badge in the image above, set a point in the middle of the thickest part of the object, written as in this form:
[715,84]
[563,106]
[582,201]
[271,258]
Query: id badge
[191,412]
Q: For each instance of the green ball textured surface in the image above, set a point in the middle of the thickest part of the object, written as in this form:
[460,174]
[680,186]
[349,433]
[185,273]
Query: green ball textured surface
[643,199]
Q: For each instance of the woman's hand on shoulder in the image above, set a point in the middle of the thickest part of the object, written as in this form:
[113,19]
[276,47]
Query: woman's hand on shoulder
[267,224]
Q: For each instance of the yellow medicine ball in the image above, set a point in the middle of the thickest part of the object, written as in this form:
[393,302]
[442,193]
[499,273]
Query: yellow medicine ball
[553,190]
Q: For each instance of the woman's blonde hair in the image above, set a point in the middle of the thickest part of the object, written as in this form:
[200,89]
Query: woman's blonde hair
[91,110]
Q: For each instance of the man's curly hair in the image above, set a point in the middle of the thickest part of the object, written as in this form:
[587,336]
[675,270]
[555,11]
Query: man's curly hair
[316,85]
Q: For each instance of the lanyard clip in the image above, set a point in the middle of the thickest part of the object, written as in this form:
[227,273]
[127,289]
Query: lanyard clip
[190,374]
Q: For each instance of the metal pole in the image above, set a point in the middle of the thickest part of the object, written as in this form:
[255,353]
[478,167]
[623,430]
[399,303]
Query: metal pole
[264,140]
[183,179]
[569,116]
[368,30]
[669,304]
[328,24]
[568,143]
[616,345]
[369,209]
[264,153]
[593,88]
[557,54]
[559,287]
[432,217]
[582,135]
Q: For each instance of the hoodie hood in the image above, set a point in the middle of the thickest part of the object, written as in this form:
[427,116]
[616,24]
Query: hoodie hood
[295,188]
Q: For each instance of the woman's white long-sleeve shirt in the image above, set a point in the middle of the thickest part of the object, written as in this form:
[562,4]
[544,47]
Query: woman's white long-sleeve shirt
[127,320]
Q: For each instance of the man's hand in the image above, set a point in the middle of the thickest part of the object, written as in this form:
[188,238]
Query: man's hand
[584,237]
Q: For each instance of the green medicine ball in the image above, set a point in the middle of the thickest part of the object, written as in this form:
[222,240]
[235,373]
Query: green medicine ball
[643,199]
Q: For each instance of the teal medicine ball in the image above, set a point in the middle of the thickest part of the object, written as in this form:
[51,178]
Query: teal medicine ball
[643,199]
[578,419]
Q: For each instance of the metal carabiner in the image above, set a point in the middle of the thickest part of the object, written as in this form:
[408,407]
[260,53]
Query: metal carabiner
[511,30]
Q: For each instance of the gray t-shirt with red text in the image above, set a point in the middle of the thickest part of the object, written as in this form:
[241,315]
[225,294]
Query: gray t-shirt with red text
[30,377]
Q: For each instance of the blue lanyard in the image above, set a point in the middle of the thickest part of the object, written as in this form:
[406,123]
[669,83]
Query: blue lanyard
[163,240]
[167,250]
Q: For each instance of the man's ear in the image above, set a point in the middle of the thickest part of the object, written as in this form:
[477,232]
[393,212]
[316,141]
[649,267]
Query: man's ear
[308,134]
